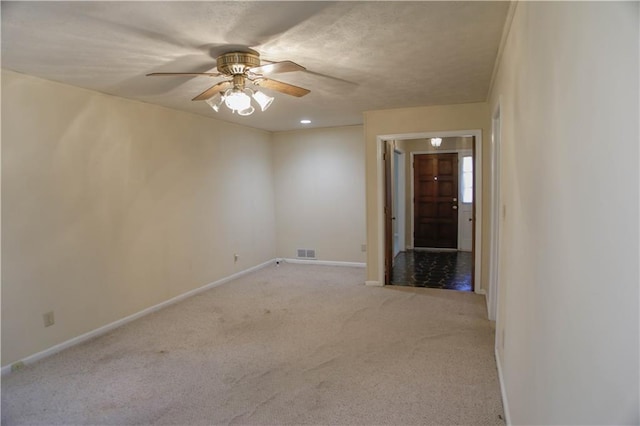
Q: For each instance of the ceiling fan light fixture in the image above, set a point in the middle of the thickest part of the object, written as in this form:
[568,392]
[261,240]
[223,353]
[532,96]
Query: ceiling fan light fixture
[263,100]
[237,100]
[243,67]
[215,101]
[247,111]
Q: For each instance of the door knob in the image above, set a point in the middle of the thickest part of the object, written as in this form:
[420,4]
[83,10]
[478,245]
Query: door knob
[454,207]
[455,199]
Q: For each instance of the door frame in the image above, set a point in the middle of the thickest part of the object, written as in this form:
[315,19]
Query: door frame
[399,196]
[412,189]
[387,238]
[477,245]
[494,244]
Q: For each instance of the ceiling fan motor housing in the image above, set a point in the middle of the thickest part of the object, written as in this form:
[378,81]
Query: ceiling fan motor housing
[234,63]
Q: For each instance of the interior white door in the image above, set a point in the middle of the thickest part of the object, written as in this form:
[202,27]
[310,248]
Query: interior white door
[465,201]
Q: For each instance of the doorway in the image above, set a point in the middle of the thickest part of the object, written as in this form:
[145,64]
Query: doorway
[469,239]
[435,202]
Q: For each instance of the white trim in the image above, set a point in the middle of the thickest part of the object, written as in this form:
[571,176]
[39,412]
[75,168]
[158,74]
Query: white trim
[506,29]
[477,133]
[494,242]
[399,198]
[373,284]
[380,148]
[436,249]
[477,162]
[324,262]
[481,292]
[503,390]
[107,328]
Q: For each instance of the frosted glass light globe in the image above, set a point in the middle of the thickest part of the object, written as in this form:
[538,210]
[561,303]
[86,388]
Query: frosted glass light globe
[237,100]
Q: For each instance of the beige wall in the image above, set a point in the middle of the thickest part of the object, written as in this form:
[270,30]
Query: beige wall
[568,310]
[444,118]
[320,203]
[110,206]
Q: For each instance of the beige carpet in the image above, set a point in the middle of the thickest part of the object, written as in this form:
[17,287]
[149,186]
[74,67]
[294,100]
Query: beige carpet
[294,344]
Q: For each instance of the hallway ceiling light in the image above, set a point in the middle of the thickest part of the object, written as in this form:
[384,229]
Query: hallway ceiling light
[436,142]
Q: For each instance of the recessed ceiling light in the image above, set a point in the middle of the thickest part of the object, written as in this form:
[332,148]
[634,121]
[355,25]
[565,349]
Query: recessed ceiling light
[305,121]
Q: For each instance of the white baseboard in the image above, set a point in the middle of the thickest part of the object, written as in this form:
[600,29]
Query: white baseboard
[107,328]
[436,249]
[505,403]
[324,262]
[486,299]
[373,283]
[481,291]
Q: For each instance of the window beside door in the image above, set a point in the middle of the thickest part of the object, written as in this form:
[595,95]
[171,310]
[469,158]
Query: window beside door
[466,186]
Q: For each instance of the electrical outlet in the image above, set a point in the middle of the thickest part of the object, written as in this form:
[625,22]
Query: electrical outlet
[235,257]
[48,319]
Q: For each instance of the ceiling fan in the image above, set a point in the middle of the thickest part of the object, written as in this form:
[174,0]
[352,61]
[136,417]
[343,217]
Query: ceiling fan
[243,68]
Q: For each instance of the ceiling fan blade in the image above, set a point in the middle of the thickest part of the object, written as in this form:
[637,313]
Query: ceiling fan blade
[277,67]
[285,88]
[192,74]
[222,86]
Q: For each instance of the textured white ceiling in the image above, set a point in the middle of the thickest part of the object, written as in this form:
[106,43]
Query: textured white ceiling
[359,55]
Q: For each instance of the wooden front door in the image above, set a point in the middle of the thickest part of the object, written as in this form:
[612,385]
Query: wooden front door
[436,200]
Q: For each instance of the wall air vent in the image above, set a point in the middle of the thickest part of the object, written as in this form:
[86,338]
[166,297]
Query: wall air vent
[306,253]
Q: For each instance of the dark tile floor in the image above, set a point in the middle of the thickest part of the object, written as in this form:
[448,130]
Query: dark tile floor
[448,270]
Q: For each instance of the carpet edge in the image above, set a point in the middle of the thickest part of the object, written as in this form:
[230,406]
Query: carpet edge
[119,323]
